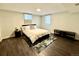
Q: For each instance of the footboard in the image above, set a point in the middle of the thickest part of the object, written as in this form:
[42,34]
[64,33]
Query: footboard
[37,41]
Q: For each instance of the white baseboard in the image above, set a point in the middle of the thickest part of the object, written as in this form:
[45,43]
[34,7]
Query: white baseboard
[1,40]
[4,38]
[77,36]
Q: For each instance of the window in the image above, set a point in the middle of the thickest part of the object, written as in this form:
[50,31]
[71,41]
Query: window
[27,17]
[47,20]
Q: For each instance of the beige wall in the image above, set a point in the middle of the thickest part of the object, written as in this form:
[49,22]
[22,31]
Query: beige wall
[0,35]
[9,21]
[66,21]
[0,30]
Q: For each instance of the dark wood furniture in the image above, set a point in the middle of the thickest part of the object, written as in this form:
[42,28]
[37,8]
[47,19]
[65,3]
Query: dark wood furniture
[17,33]
[66,34]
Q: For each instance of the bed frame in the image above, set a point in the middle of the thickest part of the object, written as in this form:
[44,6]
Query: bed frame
[37,41]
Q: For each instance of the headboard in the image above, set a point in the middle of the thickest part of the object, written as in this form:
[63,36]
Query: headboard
[29,25]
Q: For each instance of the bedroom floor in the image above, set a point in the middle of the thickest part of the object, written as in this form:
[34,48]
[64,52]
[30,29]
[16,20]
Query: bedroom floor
[19,47]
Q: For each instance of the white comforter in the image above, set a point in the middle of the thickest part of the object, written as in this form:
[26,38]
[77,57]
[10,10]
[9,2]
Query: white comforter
[34,34]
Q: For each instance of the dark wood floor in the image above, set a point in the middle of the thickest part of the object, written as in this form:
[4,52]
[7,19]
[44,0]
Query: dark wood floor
[19,47]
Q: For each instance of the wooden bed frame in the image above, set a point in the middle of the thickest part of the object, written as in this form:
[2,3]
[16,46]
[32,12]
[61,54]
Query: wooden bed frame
[37,41]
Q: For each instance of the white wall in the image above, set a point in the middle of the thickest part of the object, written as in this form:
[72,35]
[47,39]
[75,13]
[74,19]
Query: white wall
[36,20]
[66,21]
[9,21]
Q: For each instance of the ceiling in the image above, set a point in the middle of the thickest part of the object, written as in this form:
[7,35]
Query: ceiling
[46,8]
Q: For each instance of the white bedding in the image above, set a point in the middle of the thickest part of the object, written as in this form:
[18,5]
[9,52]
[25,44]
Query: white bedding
[34,34]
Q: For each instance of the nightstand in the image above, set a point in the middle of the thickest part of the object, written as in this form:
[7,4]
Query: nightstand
[17,33]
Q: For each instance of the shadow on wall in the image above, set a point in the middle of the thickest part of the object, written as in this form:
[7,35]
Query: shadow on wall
[13,34]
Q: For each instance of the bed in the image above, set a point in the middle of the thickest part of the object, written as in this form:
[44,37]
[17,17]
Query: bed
[33,34]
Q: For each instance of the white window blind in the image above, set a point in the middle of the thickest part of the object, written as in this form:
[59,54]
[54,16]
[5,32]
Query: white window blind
[47,20]
[27,17]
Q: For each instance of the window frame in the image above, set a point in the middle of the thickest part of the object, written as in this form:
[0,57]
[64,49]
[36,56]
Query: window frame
[27,14]
[45,20]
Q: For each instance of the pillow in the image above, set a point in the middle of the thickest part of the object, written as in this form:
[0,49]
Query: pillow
[27,27]
[33,27]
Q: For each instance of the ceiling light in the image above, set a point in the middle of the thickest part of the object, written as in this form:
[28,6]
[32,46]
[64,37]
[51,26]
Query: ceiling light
[38,10]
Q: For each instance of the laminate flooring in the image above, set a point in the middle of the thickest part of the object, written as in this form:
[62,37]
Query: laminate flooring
[19,47]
